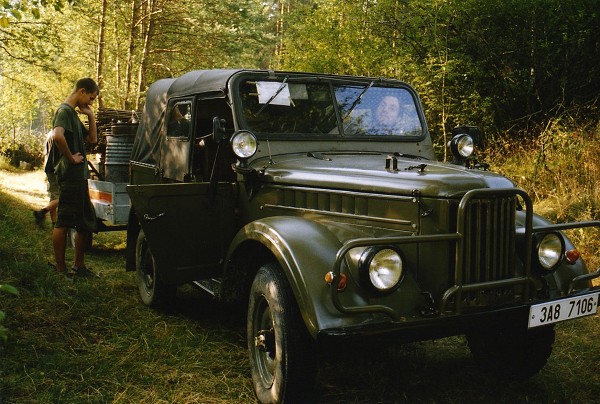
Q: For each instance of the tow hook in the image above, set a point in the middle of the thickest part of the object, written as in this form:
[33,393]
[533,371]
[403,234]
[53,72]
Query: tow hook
[429,311]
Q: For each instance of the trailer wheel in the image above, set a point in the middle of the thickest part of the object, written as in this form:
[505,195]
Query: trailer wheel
[153,291]
[282,354]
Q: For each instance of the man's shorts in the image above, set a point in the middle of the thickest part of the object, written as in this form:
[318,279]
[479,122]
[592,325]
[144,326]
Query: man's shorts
[52,186]
[75,209]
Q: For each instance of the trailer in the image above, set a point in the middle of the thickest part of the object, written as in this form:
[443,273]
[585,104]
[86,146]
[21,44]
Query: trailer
[109,167]
[111,204]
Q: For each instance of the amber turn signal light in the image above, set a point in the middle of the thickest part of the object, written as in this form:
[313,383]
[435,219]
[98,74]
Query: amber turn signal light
[572,256]
[330,276]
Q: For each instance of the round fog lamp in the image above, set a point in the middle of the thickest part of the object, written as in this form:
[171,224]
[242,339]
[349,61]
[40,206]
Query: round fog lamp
[465,145]
[244,144]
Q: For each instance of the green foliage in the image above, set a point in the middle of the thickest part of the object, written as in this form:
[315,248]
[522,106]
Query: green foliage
[498,65]
[15,9]
[560,170]
[12,290]
[41,58]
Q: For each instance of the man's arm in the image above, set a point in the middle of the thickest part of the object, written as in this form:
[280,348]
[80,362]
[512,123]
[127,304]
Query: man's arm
[92,136]
[58,136]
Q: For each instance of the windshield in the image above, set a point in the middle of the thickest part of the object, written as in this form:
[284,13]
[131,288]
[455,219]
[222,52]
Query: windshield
[316,108]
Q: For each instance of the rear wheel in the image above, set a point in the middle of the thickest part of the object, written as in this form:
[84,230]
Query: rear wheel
[511,351]
[153,291]
[282,355]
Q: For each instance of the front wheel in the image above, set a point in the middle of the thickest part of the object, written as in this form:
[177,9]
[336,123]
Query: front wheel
[511,351]
[282,355]
[153,291]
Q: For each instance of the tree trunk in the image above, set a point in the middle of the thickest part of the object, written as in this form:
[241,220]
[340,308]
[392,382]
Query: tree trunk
[99,61]
[135,22]
[148,33]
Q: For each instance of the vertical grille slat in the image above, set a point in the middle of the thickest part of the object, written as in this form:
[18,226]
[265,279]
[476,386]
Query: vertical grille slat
[489,244]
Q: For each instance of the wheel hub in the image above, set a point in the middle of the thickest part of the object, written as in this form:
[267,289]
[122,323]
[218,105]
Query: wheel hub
[265,341]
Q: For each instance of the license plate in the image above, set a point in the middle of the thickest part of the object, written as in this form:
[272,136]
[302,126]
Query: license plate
[564,309]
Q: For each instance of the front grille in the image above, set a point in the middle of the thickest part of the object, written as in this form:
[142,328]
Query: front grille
[488,248]
[489,242]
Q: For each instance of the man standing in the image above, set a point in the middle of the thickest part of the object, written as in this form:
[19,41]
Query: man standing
[70,166]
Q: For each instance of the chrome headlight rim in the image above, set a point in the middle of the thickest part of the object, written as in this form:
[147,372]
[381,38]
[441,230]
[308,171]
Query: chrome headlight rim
[377,276]
[549,251]
[244,144]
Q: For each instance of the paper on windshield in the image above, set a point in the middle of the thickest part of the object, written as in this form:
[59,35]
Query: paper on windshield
[267,89]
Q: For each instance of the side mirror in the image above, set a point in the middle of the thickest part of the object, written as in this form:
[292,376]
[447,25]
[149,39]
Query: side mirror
[219,130]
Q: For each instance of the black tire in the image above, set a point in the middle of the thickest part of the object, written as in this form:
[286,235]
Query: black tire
[510,351]
[153,291]
[282,353]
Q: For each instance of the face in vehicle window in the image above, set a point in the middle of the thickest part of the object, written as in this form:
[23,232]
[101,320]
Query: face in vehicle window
[378,111]
[278,107]
[179,124]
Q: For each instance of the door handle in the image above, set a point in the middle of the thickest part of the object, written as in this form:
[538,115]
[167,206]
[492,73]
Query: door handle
[149,218]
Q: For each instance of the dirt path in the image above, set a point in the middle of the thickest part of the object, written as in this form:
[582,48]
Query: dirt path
[29,186]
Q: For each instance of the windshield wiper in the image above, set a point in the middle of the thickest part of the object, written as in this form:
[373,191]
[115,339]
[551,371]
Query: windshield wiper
[357,100]
[281,87]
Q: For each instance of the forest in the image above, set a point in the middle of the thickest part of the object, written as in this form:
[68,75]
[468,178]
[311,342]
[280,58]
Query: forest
[509,67]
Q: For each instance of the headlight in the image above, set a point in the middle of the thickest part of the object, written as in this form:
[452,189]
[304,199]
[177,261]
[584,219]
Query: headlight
[550,248]
[381,269]
[462,146]
[243,144]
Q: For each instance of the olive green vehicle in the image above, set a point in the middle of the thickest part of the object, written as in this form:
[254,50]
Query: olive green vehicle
[317,200]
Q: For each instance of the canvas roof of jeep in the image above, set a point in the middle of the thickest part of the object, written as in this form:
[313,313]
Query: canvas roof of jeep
[146,147]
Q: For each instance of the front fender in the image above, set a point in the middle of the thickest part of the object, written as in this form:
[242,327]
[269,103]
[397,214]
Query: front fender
[306,251]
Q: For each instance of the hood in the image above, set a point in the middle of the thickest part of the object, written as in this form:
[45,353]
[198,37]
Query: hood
[367,172]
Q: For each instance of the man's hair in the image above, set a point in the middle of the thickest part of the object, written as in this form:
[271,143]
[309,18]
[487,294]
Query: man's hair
[89,85]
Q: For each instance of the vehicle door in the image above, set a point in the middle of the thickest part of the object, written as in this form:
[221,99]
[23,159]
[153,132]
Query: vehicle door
[188,226]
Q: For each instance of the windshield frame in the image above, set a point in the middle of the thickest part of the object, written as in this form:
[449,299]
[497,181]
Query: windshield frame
[332,82]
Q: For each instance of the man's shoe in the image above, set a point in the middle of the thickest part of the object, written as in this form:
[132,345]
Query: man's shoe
[83,272]
[68,276]
[39,216]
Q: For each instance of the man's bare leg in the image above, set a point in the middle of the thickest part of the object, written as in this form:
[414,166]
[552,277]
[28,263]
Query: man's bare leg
[59,242]
[80,244]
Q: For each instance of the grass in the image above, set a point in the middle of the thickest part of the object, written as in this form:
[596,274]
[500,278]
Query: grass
[93,341]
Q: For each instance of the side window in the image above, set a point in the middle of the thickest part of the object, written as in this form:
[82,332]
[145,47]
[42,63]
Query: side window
[180,118]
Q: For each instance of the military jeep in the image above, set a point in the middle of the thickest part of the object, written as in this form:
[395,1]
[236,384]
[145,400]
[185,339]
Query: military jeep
[317,200]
